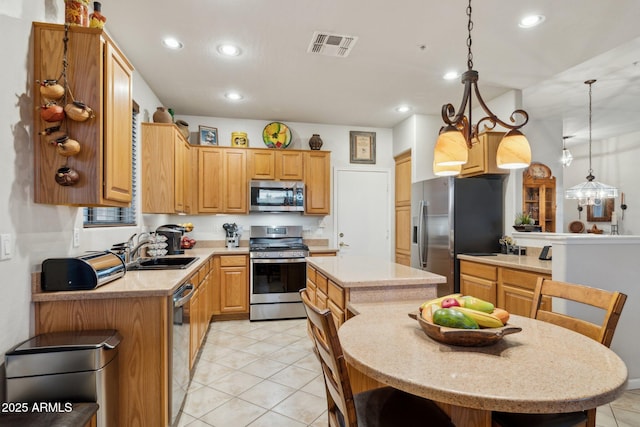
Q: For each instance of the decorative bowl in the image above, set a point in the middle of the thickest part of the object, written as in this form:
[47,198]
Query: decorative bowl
[576,226]
[464,337]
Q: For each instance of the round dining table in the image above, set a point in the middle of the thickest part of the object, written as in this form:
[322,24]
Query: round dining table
[542,369]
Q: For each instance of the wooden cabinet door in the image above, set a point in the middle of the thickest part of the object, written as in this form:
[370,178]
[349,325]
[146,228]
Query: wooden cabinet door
[234,292]
[479,288]
[194,314]
[210,180]
[289,165]
[262,164]
[317,169]
[235,181]
[403,235]
[118,101]
[158,168]
[482,156]
[181,156]
[515,291]
[403,180]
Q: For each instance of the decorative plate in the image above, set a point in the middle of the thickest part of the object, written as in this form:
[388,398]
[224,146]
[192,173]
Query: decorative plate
[276,135]
[464,337]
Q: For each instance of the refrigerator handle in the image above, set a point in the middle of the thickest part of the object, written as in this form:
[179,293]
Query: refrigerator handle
[423,236]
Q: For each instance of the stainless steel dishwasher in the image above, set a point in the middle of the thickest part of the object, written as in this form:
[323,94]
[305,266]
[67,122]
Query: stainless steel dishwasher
[179,375]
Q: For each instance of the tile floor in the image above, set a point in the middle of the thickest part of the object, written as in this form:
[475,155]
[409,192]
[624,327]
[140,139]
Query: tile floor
[264,374]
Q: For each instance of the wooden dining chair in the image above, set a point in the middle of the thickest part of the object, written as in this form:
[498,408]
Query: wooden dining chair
[611,303]
[379,407]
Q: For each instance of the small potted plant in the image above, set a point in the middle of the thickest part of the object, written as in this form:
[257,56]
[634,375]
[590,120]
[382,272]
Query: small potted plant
[524,222]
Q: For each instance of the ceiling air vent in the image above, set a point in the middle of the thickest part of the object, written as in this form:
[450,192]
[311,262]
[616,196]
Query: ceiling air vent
[331,44]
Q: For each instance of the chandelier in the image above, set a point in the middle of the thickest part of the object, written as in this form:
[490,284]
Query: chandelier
[459,134]
[591,192]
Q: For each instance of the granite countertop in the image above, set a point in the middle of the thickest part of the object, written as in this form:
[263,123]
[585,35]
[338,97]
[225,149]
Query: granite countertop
[147,283]
[525,372]
[360,271]
[528,263]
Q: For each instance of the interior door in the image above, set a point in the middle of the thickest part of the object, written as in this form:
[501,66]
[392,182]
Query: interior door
[363,207]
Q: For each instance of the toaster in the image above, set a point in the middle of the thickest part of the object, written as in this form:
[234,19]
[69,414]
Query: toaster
[81,273]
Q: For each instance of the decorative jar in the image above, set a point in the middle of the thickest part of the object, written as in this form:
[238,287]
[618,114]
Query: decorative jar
[97,19]
[162,116]
[315,142]
[76,12]
[183,127]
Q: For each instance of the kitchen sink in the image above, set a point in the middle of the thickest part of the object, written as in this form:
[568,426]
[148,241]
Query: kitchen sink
[163,263]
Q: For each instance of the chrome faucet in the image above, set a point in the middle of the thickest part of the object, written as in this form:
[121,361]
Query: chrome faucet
[131,251]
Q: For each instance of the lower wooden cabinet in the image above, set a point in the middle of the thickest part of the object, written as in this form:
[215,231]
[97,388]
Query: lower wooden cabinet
[232,287]
[508,288]
[324,293]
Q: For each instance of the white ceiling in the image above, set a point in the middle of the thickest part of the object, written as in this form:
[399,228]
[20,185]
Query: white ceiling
[580,39]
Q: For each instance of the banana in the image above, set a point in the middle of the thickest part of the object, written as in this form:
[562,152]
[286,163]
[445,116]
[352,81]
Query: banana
[427,311]
[484,320]
[438,300]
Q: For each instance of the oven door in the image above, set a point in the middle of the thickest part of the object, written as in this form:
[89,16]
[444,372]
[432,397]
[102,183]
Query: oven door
[277,280]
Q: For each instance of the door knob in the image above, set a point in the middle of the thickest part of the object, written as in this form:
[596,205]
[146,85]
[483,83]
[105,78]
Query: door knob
[341,244]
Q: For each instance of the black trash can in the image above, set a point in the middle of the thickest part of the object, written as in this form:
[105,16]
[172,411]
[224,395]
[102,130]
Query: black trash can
[79,366]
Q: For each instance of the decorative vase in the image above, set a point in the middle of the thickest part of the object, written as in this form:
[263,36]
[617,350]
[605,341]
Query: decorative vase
[97,19]
[315,142]
[239,139]
[183,127]
[162,116]
[76,12]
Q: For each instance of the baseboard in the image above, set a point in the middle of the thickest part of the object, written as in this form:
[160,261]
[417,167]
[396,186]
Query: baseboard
[633,384]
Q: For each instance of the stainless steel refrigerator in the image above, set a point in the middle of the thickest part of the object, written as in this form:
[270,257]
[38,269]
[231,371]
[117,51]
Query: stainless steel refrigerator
[451,216]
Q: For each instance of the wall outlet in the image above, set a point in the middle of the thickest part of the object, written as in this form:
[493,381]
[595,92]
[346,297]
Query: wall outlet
[6,246]
[76,237]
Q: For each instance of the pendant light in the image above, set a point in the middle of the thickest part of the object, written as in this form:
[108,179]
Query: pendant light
[591,192]
[459,134]
[446,170]
[567,158]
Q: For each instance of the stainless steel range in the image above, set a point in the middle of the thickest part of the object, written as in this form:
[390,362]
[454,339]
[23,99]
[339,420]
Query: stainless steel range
[278,271]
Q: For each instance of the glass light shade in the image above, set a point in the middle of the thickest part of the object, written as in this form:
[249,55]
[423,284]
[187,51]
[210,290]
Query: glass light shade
[449,170]
[514,151]
[567,158]
[591,192]
[451,148]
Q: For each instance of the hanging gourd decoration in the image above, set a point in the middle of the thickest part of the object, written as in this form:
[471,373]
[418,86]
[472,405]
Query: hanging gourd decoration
[78,111]
[51,134]
[67,176]
[51,90]
[52,112]
[67,147]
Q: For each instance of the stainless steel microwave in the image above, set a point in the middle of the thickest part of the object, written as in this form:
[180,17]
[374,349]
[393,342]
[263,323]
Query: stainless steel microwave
[276,196]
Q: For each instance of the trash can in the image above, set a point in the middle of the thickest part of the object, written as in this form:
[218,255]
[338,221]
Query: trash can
[75,366]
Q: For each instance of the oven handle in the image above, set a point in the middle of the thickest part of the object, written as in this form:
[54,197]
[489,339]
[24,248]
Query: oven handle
[277,260]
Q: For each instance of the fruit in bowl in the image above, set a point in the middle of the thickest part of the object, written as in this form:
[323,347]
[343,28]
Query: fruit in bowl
[187,242]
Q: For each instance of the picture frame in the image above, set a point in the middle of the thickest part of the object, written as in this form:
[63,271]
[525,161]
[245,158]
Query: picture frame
[207,135]
[362,147]
[601,212]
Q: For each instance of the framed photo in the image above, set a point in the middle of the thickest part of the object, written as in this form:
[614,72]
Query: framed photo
[207,135]
[363,147]
[601,212]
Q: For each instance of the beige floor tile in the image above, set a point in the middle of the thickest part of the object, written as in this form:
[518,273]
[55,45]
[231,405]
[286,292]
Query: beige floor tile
[262,348]
[293,376]
[301,406]
[198,423]
[263,367]
[261,334]
[627,418]
[282,339]
[267,394]
[271,419]
[185,420]
[316,387]
[236,413]
[207,372]
[237,360]
[321,421]
[604,417]
[288,355]
[310,362]
[203,400]
[628,402]
[236,383]
[238,342]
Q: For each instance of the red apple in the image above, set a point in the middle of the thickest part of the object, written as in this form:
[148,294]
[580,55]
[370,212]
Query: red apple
[450,302]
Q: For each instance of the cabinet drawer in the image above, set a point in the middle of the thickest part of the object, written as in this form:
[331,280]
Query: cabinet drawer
[337,313]
[521,279]
[336,294]
[311,273]
[233,260]
[321,300]
[483,271]
[321,282]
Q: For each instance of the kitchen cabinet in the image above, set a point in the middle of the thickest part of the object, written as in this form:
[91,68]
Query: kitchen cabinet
[222,180]
[324,293]
[100,76]
[268,164]
[507,288]
[482,156]
[233,284]
[403,209]
[199,311]
[165,174]
[539,196]
[317,179]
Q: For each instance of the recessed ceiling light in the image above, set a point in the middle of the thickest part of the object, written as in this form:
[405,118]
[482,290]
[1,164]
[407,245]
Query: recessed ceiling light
[451,75]
[234,96]
[531,21]
[229,50]
[403,109]
[172,43]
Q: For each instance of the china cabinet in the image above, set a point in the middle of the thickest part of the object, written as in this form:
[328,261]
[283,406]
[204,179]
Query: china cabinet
[539,196]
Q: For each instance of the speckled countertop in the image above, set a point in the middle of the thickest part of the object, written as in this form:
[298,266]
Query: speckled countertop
[529,263]
[360,271]
[543,368]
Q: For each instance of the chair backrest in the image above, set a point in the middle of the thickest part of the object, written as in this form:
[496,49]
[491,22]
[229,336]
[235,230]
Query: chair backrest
[611,302]
[336,377]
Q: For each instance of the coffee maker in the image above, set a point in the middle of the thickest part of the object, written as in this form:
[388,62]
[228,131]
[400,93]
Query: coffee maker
[173,233]
[232,239]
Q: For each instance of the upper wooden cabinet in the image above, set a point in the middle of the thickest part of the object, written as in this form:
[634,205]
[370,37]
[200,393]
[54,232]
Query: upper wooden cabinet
[98,75]
[539,196]
[165,169]
[222,180]
[482,156]
[317,170]
[267,164]
[403,208]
